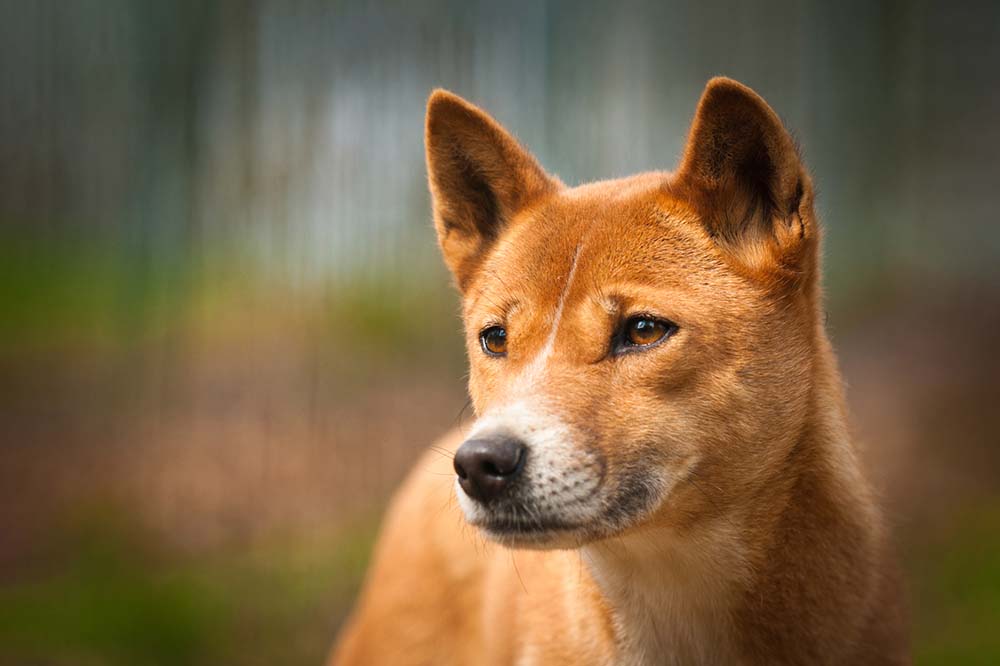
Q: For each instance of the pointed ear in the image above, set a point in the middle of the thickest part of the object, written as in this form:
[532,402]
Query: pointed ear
[742,173]
[480,177]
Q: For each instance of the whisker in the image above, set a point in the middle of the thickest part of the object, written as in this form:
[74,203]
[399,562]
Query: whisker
[518,572]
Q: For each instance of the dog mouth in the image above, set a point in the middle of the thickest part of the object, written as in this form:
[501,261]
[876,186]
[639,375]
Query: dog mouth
[557,523]
[505,525]
[531,532]
[518,524]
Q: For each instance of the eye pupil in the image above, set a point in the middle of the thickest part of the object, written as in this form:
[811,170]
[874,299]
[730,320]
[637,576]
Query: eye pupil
[494,340]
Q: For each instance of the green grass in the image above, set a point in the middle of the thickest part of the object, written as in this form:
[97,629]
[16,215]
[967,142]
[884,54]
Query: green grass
[957,594]
[398,318]
[105,593]
[75,289]
[114,598]
[70,293]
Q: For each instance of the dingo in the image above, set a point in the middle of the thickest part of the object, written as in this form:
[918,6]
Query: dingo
[661,465]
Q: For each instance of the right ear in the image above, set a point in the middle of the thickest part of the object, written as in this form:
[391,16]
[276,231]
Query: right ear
[480,177]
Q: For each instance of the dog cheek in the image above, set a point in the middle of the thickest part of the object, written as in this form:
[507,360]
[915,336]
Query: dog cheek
[638,483]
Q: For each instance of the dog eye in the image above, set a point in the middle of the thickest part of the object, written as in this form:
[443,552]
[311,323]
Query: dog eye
[645,331]
[494,340]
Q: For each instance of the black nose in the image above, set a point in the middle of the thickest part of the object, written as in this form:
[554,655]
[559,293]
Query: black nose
[487,465]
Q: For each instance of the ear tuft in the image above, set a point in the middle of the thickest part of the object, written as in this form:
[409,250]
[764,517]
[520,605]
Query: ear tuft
[742,171]
[480,177]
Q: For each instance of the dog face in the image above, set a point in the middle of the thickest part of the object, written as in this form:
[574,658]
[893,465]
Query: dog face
[639,349]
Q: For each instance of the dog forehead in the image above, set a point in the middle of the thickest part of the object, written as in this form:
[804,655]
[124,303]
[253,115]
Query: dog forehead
[611,231]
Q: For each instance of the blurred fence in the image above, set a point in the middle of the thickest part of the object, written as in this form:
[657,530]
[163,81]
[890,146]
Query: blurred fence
[292,133]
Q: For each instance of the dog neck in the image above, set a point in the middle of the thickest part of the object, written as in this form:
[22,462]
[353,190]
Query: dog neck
[669,597]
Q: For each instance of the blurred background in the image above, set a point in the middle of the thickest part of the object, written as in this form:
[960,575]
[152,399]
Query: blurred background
[225,332]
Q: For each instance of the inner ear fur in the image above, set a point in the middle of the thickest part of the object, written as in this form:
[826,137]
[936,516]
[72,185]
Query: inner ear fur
[479,177]
[742,173]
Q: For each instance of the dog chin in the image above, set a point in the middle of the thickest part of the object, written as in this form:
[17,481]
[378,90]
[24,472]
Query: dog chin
[523,528]
[534,537]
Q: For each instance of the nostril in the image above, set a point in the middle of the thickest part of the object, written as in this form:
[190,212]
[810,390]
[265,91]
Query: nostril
[505,460]
[486,466]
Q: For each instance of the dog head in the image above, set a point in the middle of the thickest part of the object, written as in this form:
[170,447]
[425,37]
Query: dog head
[641,350]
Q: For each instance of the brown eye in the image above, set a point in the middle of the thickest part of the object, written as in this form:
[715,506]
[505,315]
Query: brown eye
[494,340]
[643,331]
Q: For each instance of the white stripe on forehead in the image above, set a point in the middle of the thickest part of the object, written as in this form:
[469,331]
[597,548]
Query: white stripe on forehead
[535,369]
[550,341]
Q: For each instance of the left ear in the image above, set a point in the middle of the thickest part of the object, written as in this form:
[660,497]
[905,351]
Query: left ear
[742,173]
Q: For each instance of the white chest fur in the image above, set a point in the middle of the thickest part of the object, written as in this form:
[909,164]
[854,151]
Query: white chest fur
[670,598]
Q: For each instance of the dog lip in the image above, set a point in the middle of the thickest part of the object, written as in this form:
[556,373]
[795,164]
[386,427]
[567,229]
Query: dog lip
[520,526]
